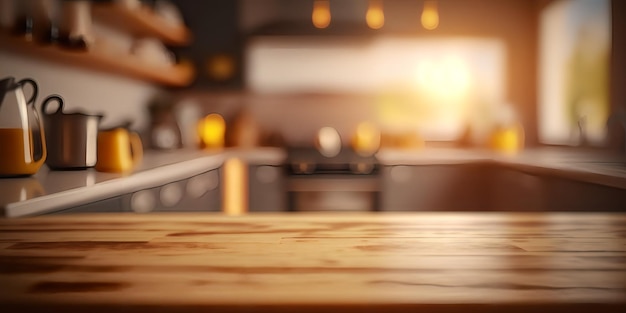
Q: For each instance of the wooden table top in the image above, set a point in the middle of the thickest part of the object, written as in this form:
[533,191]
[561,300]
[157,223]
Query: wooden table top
[440,262]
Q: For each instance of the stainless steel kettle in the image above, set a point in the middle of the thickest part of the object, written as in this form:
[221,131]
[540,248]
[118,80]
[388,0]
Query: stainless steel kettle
[21,131]
[71,137]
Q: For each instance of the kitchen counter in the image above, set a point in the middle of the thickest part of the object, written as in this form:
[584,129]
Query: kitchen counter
[443,262]
[48,190]
[593,166]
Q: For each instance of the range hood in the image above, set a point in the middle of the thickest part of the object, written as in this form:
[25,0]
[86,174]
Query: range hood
[294,18]
[306,28]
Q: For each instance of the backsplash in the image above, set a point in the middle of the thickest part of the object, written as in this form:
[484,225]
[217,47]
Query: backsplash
[296,117]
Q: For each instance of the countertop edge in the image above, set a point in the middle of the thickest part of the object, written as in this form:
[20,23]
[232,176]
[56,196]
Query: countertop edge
[579,169]
[160,167]
[114,187]
[169,171]
[573,173]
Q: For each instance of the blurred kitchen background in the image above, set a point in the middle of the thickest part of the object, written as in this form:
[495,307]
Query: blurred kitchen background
[440,72]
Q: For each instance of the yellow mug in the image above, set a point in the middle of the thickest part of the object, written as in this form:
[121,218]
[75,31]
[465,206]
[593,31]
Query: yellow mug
[119,150]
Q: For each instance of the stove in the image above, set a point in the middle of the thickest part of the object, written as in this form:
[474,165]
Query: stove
[309,161]
[347,181]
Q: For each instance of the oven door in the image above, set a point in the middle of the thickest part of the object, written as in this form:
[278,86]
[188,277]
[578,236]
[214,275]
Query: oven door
[339,192]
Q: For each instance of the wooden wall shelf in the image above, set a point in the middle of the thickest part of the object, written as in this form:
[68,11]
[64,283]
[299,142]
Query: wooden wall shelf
[141,22]
[105,61]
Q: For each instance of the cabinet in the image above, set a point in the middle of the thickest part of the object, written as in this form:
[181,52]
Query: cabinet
[513,190]
[518,190]
[496,187]
[201,192]
[218,54]
[136,23]
[110,205]
[571,195]
[266,185]
[436,187]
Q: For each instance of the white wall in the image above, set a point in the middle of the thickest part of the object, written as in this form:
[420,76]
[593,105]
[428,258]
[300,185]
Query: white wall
[118,98]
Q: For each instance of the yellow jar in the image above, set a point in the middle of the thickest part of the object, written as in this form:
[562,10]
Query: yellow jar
[211,130]
[508,139]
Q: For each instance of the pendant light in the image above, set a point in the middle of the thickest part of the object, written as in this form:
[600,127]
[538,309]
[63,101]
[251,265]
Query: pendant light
[430,15]
[375,16]
[321,13]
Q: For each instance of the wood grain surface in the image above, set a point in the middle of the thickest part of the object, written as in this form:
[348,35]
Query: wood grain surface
[437,262]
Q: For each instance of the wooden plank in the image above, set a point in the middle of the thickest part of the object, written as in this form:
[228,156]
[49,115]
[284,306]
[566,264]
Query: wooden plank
[141,22]
[101,60]
[342,260]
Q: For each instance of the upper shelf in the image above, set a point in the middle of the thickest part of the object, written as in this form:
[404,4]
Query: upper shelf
[141,22]
[102,60]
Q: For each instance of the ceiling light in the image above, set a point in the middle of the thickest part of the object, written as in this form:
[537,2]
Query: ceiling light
[375,16]
[321,13]
[430,15]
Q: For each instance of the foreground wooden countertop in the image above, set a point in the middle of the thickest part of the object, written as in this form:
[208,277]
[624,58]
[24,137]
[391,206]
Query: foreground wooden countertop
[438,262]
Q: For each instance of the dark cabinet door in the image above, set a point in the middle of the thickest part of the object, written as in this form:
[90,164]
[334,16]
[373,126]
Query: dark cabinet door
[481,187]
[513,190]
[216,50]
[111,205]
[436,187]
[201,192]
[570,195]
[266,187]
[197,193]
